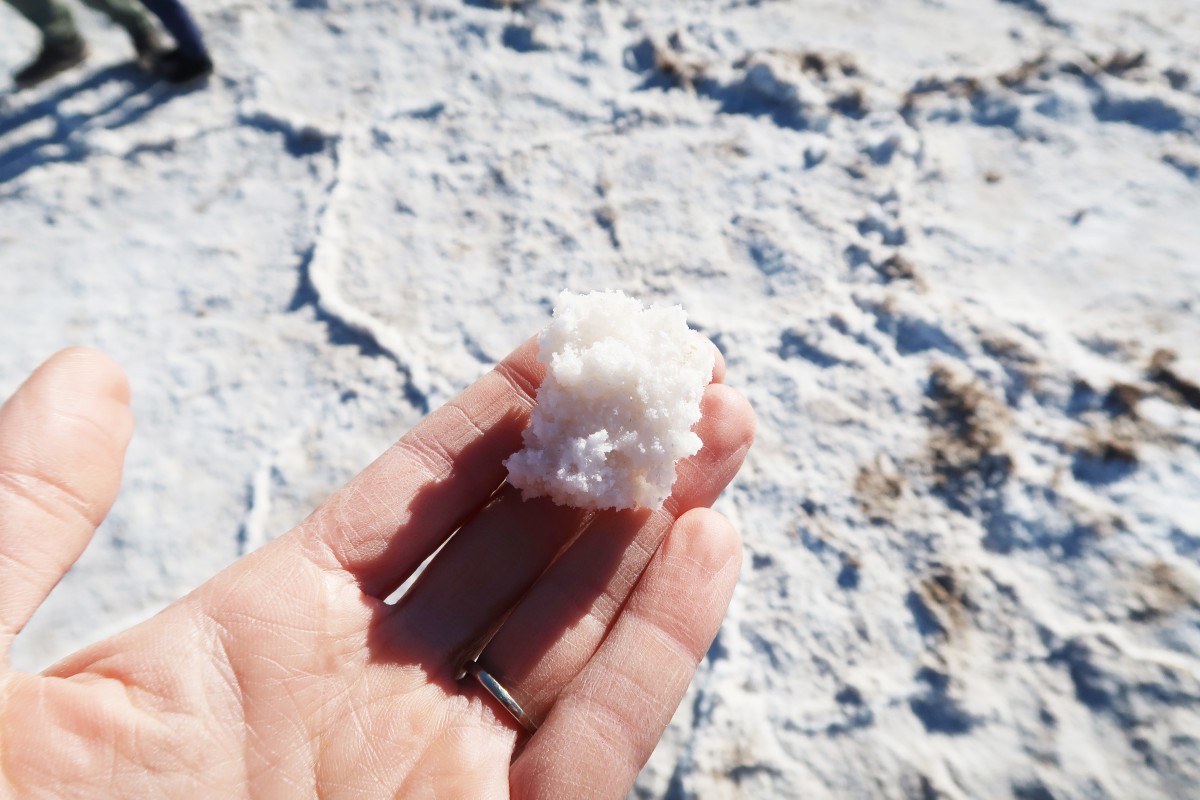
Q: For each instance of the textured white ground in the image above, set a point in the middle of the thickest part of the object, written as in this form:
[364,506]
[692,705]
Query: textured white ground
[947,247]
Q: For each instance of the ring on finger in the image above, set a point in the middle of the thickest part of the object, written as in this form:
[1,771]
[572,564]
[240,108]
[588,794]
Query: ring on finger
[502,695]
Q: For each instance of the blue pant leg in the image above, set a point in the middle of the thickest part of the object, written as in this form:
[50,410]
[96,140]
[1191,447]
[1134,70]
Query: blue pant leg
[179,23]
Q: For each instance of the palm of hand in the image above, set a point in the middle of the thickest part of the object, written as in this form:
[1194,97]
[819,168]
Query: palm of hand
[288,675]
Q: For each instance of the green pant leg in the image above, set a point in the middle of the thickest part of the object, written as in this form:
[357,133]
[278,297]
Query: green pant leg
[51,17]
[129,14]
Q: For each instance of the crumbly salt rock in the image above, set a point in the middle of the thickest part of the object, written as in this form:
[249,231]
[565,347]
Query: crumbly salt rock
[616,409]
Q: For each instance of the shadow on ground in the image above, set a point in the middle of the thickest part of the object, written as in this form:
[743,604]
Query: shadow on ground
[65,143]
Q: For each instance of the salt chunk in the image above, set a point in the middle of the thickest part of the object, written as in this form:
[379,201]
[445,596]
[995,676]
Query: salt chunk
[616,409]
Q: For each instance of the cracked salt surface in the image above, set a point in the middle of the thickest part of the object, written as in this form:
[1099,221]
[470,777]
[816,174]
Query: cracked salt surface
[947,251]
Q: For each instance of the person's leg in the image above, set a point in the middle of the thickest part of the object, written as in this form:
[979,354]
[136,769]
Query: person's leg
[132,16]
[129,14]
[51,17]
[179,23]
[62,46]
[189,60]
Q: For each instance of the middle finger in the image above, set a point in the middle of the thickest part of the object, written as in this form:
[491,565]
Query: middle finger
[485,568]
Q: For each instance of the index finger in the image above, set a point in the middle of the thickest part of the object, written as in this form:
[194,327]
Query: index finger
[389,518]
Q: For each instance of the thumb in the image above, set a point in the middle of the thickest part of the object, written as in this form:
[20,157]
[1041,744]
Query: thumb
[62,444]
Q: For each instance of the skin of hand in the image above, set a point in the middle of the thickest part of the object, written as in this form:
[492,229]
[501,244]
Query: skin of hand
[287,675]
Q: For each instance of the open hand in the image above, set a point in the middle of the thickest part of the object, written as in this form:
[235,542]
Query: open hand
[287,675]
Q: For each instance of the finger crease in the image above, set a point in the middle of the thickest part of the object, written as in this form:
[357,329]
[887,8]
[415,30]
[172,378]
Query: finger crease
[51,497]
[518,382]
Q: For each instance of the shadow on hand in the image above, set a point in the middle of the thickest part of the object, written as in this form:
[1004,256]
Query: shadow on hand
[420,639]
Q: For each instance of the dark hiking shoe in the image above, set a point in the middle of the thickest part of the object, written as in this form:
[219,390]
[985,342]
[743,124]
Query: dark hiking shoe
[175,67]
[54,58]
[147,45]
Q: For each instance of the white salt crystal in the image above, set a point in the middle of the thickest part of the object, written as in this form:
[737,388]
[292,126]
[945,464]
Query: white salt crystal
[616,409]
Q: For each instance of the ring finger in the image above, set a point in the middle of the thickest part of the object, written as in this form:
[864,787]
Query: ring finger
[559,624]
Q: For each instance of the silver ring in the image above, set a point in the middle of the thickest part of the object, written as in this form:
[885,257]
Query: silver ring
[502,696]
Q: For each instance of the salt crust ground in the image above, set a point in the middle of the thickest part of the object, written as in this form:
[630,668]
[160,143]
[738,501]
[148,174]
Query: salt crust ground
[947,248]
